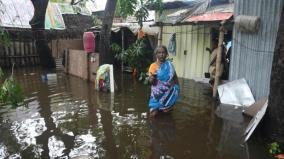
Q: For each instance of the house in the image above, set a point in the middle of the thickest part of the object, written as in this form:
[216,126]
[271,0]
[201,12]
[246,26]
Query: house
[195,24]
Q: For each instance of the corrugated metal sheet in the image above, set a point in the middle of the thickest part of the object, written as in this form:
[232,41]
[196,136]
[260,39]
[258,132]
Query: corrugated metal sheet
[202,10]
[193,40]
[218,16]
[175,4]
[215,13]
[252,54]
[171,16]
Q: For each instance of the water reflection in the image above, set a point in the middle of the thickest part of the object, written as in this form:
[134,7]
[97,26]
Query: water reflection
[26,131]
[66,118]
[232,129]
[163,133]
[55,147]
[3,151]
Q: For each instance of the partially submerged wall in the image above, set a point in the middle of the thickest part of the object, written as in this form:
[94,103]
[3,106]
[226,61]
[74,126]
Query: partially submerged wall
[58,46]
[82,65]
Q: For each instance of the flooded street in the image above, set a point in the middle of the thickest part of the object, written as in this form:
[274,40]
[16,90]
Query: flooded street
[66,118]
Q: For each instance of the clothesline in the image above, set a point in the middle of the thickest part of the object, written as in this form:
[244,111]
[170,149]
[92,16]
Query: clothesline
[183,33]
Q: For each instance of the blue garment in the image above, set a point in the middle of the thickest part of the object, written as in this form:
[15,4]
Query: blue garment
[165,92]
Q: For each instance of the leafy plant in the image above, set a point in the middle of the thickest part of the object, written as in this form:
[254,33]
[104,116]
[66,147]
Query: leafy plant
[144,77]
[96,20]
[274,148]
[115,48]
[1,73]
[119,53]
[133,55]
[4,37]
[138,56]
[138,8]
[10,91]
[126,7]
[156,4]
[141,14]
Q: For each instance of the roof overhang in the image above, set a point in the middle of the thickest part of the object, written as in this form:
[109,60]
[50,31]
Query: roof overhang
[209,17]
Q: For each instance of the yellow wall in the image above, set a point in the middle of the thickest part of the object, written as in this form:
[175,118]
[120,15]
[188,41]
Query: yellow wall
[194,40]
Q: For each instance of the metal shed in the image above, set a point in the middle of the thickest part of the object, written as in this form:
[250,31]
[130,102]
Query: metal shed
[252,53]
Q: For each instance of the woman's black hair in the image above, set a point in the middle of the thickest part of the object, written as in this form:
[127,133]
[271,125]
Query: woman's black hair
[161,46]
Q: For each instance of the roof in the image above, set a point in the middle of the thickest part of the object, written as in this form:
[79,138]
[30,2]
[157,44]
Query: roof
[173,4]
[75,24]
[174,17]
[18,13]
[134,27]
[176,4]
[201,12]
[218,16]
[215,13]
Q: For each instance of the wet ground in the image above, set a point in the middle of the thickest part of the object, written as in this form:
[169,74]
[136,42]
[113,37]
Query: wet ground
[66,118]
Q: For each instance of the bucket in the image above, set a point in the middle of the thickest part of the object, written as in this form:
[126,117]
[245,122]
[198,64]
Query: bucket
[89,42]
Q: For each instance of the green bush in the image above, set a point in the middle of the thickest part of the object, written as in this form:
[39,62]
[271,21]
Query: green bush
[10,90]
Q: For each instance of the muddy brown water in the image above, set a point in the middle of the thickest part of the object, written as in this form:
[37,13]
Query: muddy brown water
[66,118]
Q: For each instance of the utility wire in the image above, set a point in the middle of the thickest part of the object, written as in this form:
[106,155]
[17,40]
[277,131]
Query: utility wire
[242,45]
[190,32]
[234,40]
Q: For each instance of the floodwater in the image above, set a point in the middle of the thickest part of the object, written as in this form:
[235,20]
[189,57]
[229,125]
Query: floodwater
[64,117]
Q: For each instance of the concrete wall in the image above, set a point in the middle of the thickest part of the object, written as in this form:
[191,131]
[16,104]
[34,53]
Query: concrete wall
[78,63]
[58,46]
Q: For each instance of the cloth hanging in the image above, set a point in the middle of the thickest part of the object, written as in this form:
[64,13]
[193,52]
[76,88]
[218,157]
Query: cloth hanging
[172,44]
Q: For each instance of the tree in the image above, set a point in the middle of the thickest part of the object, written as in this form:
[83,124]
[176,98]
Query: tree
[127,7]
[274,124]
[104,46]
[38,26]
[138,8]
[124,9]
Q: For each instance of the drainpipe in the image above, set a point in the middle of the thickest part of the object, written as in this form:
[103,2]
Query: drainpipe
[219,59]
[122,47]
[160,38]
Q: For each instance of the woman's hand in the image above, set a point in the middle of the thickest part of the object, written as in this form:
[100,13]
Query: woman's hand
[153,79]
